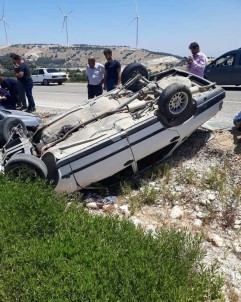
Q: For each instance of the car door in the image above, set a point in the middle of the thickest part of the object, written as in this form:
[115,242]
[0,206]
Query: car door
[100,160]
[40,75]
[236,74]
[221,69]
[150,141]
[35,76]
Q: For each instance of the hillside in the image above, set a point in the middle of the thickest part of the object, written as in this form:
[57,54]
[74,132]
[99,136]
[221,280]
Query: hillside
[76,56]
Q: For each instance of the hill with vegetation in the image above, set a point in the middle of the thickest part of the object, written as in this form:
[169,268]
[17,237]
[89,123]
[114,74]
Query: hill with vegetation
[75,56]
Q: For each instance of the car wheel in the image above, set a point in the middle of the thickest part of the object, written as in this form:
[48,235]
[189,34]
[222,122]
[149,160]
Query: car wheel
[26,166]
[45,82]
[9,127]
[60,83]
[175,101]
[130,71]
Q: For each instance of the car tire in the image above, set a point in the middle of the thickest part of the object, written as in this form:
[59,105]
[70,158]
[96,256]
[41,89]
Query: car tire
[176,101]
[45,82]
[6,128]
[60,83]
[130,71]
[26,166]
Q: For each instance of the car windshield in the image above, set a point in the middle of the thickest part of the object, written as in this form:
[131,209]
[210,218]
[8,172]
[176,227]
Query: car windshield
[51,70]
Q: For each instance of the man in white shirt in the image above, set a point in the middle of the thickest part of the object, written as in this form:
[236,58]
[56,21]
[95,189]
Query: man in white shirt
[95,73]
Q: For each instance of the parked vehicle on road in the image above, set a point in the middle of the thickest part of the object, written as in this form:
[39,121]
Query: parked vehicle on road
[48,75]
[117,131]
[226,69]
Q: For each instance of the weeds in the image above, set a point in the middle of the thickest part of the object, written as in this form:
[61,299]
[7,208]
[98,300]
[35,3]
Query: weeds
[50,254]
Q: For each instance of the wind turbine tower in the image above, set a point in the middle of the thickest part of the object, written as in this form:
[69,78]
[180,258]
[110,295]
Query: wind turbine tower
[5,25]
[137,17]
[65,24]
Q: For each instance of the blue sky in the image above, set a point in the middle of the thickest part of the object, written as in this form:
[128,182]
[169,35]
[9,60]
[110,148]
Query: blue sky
[167,26]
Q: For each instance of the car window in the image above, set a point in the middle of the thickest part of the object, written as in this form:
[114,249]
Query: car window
[51,70]
[35,72]
[227,60]
[41,71]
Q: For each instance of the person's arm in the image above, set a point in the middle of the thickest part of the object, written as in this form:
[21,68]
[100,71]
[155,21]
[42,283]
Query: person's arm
[119,77]
[199,63]
[20,73]
[105,76]
[86,72]
[2,99]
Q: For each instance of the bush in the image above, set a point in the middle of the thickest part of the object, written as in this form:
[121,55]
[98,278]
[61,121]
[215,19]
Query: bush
[51,253]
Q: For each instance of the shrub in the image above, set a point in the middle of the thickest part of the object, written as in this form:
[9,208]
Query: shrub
[51,253]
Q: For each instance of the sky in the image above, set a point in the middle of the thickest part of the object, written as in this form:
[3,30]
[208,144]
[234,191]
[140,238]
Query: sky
[164,25]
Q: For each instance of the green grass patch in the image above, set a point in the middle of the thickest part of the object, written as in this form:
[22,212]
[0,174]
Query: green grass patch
[49,253]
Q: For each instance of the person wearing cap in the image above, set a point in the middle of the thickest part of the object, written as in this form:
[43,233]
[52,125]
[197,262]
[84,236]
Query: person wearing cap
[112,78]
[95,74]
[197,62]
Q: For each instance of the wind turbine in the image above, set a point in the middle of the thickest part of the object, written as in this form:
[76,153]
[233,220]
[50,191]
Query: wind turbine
[65,23]
[5,25]
[137,17]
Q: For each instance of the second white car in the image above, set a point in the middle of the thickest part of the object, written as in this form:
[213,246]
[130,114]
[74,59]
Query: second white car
[49,75]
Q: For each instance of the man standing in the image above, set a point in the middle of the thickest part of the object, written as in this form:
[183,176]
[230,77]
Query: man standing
[22,105]
[22,73]
[95,73]
[198,61]
[112,77]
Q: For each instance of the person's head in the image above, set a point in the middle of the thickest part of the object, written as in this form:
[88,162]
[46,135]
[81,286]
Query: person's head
[16,58]
[108,54]
[194,47]
[91,62]
[2,77]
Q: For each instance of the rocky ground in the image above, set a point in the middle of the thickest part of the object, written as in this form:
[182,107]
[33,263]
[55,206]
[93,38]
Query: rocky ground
[197,188]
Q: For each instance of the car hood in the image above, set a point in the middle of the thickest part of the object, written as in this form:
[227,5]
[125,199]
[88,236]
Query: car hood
[29,119]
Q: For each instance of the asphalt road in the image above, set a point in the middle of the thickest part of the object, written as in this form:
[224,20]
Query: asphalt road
[57,98]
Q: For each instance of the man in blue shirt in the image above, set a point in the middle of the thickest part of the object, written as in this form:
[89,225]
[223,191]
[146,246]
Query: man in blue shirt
[112,78]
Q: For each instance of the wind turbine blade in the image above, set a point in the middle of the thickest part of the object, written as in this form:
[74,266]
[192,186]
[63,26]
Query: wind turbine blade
[7,24]
[64,23]
[6,33]
[3,12]
[132,21]
[136,10]
[69,12]
[61,10]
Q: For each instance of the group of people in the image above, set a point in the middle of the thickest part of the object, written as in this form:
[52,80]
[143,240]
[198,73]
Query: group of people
[101,76]
[13,92]
[108,76]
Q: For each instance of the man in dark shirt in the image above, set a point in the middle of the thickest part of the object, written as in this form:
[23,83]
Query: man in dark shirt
[11,85]
[22,105]
[22,73]
[112,78]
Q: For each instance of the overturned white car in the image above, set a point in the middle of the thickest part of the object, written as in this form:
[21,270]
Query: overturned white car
[114,132]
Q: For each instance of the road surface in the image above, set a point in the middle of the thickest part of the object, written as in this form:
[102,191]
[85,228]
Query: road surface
[57,98]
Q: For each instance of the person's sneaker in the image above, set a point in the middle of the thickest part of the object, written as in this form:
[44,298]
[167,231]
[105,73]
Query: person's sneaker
[31,109]
[23,108]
